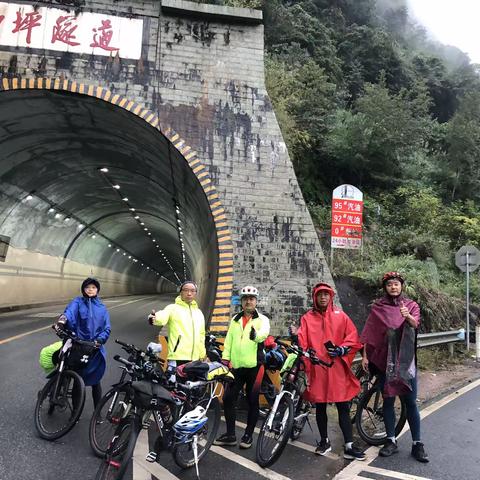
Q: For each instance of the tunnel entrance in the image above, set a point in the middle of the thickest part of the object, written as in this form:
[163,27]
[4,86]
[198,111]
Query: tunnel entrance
[96,186]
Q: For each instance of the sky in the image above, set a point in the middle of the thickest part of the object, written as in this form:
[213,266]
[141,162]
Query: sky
[452,22]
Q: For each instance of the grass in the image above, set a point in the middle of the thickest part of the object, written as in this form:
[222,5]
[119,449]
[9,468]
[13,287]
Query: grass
[438,358]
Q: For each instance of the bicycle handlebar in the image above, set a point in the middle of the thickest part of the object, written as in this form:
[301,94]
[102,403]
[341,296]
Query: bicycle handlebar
[311,354]
[63,333]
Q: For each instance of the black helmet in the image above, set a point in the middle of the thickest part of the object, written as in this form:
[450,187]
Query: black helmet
[90,281]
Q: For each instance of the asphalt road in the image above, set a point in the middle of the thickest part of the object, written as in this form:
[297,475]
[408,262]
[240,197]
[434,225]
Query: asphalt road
[24,456]
[450,432]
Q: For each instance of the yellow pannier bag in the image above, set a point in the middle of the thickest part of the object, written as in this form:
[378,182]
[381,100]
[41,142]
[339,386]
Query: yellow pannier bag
[46,354]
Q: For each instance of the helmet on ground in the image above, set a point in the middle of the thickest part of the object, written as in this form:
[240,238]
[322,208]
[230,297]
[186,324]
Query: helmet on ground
[274,358]
[248,291]
[392,276]
[190,423]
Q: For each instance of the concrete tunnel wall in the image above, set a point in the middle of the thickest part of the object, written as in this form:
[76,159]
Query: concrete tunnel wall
[50,172]
[200,79]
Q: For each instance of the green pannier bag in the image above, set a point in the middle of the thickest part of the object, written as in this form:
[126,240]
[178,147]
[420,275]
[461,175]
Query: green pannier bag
[46,356]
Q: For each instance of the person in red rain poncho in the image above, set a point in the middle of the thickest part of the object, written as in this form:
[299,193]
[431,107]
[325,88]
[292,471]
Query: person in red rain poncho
[322,324]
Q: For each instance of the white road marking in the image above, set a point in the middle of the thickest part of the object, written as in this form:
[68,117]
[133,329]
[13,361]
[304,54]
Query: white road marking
[245,462]
[141,467]
[389,473]
[351,471]
[297,443]
[131,301]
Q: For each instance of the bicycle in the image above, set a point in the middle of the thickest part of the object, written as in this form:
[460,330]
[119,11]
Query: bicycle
[111,407]
[369,415]
[187,416]
[277,427]
[60,402]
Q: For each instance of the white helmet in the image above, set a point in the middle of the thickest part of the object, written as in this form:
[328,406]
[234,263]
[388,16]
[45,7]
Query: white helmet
[190,423]
[249,291]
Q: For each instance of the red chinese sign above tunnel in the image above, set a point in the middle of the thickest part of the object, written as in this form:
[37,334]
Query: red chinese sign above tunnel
[63,30]
[347,217]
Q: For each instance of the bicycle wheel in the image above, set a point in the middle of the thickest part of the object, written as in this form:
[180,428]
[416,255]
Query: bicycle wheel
[120,451]
[57,413]
[272,440]
[363,377]
[369,420]
[183,453]
[107,415]
[302,411]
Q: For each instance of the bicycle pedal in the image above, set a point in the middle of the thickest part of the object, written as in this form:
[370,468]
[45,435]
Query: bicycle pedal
[151,457]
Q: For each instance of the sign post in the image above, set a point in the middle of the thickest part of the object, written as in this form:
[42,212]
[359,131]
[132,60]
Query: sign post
[467,260]
[347,218]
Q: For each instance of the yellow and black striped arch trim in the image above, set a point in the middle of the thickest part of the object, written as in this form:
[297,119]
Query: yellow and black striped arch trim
[221,309]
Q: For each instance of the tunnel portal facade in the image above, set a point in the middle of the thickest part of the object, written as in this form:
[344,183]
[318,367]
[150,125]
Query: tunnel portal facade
[166,101]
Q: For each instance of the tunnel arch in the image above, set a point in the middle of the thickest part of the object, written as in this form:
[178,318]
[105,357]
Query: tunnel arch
[220,287]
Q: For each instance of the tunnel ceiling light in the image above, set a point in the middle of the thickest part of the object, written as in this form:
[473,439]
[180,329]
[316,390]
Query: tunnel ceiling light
[80,226]
[104,170]
[136,217]
[110,245]
[129,256]
[125,199]
[94,236]
[179,221]
[124,253]
[57,215]
[149,233]
[51,210]
[146,229]
[132,209]
[118,249]
[141,223]
[116,187]
[66,219]
[153,240]
[28,197]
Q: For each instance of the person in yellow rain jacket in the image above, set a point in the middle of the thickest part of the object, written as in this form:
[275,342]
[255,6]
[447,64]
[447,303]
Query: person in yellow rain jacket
[186,326]
[243,351]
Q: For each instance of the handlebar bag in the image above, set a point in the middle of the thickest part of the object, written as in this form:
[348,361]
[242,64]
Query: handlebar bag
[80,355]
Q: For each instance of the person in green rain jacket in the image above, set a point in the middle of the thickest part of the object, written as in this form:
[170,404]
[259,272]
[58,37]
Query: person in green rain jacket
[243,351]
[186,326]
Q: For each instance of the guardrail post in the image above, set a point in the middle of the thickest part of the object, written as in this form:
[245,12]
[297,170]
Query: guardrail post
[450,349]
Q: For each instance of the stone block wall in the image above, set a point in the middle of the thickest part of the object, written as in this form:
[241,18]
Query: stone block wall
[202,70]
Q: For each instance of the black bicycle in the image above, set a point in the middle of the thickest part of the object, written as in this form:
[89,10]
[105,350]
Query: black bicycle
[60,402]
[278,425]
[369,413]
[112,406]
[187,415]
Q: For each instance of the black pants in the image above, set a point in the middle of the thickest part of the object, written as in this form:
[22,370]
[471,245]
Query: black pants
[252,379]
[96,394]
[343,409]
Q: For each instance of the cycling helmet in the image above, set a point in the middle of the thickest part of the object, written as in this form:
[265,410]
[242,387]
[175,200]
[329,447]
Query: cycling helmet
[392,276]
[190,423]
[274,359]
[154,348]
[248,291]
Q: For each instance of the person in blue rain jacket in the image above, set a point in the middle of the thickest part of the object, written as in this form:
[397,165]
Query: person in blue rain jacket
[89,319]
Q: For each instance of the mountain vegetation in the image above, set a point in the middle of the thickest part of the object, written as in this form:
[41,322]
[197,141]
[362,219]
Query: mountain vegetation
[365,97]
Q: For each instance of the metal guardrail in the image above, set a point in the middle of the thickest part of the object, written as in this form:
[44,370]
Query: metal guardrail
[434,338]
[440,338]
